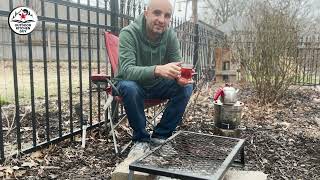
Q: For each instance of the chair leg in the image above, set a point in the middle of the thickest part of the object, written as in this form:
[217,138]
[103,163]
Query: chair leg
[106,122]
[114,126]
[106,108]
[154,115]
[113,133]
[119,123]
[125,147]
[153,122]
[130,176]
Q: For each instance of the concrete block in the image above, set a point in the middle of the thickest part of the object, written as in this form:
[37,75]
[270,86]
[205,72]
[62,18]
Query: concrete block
[122,170]
[234,175]
[245,175]
[236,133]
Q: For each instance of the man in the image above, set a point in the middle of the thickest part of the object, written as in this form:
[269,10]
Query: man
[149,68]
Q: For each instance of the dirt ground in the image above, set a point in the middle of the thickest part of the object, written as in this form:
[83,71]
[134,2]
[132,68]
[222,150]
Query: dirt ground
[282,140]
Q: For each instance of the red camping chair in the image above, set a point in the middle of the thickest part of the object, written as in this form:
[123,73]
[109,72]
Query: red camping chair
[112,45]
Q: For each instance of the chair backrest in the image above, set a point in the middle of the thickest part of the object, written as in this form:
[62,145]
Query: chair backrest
[112,46]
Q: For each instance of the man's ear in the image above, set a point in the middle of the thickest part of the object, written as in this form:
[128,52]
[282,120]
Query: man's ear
[145,12]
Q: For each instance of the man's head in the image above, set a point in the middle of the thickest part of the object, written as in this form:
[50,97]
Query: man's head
[158,15]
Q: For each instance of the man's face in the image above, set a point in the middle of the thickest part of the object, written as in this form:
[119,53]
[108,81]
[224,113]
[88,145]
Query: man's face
[158,16]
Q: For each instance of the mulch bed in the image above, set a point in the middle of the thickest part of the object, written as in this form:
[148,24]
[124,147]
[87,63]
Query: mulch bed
[282,140]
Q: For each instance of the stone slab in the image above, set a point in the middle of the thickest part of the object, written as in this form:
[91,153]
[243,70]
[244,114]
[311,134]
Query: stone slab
[122,170]
[235,133]
[234,175]
[245,175]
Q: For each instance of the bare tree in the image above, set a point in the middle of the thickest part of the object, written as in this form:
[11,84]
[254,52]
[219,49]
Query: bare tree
[268,49]
[221,10]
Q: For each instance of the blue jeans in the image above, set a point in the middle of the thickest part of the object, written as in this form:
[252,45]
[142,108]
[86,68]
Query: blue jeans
[133,99]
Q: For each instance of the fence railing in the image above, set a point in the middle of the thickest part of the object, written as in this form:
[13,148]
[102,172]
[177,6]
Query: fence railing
[306,61]
[45,75]
[308,70]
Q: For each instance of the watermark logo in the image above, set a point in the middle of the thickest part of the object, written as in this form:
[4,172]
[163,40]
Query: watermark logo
[22,20]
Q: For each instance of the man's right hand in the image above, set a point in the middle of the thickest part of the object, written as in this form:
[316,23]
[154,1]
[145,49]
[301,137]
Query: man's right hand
[169,71]
[183,81]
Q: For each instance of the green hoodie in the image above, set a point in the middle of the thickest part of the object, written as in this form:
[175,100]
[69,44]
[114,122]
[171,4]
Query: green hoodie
[138,56]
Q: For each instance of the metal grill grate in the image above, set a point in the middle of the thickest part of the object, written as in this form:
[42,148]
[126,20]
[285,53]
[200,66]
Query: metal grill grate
[189,154]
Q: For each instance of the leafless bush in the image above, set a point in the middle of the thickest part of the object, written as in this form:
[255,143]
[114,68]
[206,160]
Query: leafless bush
[269,55]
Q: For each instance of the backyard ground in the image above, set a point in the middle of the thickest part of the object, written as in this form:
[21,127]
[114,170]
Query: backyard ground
[282,140]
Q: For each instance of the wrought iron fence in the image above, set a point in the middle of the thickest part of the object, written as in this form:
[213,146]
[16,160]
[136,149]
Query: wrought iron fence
[307,59]
[308,54]
[45,75]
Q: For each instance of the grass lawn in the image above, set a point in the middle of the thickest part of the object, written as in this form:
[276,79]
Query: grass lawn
[7,93]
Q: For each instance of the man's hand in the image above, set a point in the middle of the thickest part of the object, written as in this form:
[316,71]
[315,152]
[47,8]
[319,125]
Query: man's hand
[183,81]
[170,70]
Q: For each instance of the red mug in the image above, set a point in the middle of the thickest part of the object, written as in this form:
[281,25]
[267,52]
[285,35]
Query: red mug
[186,71]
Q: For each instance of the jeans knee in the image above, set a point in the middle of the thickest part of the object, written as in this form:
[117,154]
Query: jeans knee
[129,88]
[187,90]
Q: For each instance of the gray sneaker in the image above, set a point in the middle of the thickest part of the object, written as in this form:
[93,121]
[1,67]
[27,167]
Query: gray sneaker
[157,141]
[139,148]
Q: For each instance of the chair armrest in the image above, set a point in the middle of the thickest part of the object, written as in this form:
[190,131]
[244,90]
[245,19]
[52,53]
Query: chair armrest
[103,79]
[96,78]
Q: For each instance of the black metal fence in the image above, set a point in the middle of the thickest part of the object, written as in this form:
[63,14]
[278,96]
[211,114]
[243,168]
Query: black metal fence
[309,56]
[306,67]
[46,74]
[197,42]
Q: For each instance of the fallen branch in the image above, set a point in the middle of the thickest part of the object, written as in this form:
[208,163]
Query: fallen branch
[13,122]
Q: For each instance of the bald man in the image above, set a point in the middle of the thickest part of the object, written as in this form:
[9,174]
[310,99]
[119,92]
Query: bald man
[149,68]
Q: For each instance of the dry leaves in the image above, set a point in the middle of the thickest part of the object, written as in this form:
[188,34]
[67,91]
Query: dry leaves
[282,140]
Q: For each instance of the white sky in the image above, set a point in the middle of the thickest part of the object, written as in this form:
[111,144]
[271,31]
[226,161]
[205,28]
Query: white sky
[180,6]
[181,10]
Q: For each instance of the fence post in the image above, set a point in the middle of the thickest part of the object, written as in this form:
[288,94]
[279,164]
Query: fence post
[1,136]
[196,47]
[114,4]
